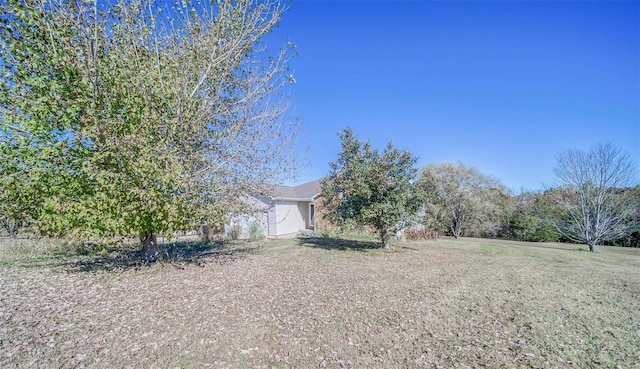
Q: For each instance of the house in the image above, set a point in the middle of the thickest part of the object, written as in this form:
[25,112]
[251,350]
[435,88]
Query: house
[284,210]
[290,209]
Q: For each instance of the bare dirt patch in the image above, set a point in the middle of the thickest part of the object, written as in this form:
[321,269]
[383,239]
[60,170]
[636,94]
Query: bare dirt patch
[296,303]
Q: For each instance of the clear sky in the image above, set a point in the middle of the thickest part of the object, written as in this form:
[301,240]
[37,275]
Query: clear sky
[499,85]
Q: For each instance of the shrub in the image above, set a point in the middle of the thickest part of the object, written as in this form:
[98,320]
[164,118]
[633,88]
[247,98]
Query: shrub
[211,232]
[419,232]
[235,231]
[255,231]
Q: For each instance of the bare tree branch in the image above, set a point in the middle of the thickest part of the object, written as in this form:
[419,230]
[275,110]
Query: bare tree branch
[593,194]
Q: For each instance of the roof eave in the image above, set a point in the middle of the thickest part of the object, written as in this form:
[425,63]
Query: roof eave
[292,198]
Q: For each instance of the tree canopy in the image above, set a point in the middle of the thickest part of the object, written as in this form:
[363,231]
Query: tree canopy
[461,198]
[596,203]
[371,188]
[139,117]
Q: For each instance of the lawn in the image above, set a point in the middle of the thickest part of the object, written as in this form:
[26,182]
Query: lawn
[322,302]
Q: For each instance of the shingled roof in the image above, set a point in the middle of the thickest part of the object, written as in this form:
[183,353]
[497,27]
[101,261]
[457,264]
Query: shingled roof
[305,191]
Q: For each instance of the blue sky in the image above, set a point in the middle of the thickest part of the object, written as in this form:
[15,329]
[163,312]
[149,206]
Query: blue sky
[500,85]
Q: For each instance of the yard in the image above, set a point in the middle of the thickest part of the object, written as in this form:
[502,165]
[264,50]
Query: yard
[323,302]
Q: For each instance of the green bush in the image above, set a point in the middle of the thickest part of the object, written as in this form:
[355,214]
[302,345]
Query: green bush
[255,231]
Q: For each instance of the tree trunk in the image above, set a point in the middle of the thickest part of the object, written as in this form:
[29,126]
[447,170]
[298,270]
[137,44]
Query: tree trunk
[456,230]
[592,247]
[13,231]
[11,227]
[206,238]
[150,247]
[384,236]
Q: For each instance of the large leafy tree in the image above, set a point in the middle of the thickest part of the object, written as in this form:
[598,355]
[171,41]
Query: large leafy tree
[139,117]
[594,197]
[371,188]
[462,199]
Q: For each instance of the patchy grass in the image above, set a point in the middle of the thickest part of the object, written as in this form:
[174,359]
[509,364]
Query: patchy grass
[317,302]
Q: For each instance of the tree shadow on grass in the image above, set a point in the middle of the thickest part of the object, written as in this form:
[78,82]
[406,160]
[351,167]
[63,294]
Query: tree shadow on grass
[335,243]
[176,254]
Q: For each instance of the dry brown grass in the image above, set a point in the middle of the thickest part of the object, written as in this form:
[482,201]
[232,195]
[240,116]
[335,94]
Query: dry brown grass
[312,303]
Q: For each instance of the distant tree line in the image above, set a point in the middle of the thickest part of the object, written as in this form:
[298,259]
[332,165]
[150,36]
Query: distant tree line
[594,203]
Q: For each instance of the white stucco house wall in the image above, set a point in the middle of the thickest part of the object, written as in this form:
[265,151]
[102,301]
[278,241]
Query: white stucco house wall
[285,210]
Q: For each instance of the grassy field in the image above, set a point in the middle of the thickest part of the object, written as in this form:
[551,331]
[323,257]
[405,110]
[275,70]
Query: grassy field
[322,302]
